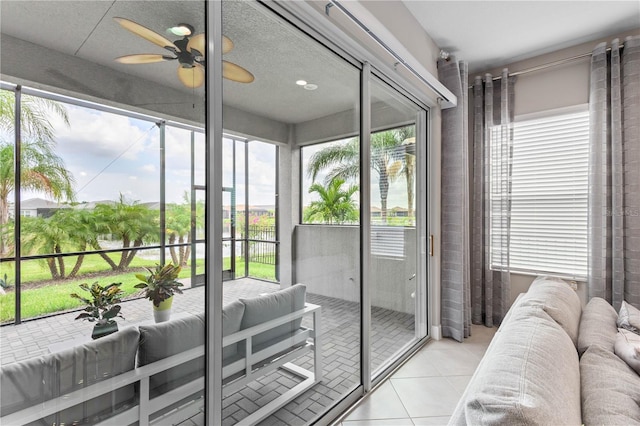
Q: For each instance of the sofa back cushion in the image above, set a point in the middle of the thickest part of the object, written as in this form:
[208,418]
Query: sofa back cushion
[231,321]
[530,375]
[32,382]
[159,341]
[558,300]
[610,389]
[261,309]
[598,325]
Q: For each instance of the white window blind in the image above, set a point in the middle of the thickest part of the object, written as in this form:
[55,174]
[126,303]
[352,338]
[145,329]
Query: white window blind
[549,190]
[387,241]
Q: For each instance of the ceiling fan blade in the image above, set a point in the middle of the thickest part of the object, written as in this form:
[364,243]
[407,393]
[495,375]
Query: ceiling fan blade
[227,44]
[146,33]
[235,72]
[144,58]
[191,77]
[197,42]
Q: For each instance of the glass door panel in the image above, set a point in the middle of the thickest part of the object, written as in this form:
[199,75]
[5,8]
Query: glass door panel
[298,93]
[110,157]
[394,238]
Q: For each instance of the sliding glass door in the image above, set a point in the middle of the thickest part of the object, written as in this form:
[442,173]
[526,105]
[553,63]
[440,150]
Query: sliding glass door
[283,91]
[396,278]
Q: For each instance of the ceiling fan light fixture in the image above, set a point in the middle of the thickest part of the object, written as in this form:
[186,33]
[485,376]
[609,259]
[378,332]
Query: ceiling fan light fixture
[182,30]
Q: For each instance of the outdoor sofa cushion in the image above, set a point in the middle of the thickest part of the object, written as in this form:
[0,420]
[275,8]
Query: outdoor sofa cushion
[162,340]
[231,320]
[266,307]
[31,382]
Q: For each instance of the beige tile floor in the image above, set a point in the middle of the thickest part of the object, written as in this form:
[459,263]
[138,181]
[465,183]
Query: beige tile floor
[426,389]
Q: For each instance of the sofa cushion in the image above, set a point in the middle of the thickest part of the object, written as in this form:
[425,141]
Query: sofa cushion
[158,341]
[627,347]
[529,375]
[610,389]
[629,318]
[231,322]
[598,325]
[558,300]
[261,309]
[33,381]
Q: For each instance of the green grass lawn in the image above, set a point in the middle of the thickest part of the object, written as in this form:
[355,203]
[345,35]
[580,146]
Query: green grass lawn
[53,296]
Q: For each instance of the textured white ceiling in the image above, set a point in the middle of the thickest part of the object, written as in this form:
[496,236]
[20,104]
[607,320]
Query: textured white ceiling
[273,51]
[489,34]
[278,55]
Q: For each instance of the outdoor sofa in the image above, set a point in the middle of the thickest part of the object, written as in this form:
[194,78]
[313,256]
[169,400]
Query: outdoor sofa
[155,373]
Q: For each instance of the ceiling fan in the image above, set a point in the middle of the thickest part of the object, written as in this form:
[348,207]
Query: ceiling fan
[189,51]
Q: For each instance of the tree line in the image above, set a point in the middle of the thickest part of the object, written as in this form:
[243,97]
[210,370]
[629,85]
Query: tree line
[392,157]
[71,230]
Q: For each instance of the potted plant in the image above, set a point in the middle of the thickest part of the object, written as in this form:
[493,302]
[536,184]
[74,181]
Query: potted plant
[160,286]
[102,307]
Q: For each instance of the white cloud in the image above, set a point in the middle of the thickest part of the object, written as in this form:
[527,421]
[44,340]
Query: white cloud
[150,168]
[104,135]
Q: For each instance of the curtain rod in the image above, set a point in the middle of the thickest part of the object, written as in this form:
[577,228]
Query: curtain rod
[548,65]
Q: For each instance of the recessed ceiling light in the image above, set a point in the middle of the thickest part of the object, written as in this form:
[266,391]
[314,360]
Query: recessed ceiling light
[310,86]
[301,82]
[181,30]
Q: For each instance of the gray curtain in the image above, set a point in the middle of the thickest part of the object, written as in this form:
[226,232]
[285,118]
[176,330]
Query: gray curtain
[491,207]
[614,173]
[454,244]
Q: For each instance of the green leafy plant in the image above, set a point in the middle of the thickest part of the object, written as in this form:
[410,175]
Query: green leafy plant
[4,282]
[161,283]
[102,305]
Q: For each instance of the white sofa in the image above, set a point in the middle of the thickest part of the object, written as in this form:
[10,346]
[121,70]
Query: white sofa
[155,373]
[551,363]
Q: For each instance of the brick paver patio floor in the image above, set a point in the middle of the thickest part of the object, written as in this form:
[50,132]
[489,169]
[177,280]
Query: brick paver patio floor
[340,349]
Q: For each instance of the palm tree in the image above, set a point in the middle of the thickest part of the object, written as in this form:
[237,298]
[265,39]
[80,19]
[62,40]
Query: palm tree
[335,204]
[131,223]
[62,232]
[178,224]
[34,115]
[407,135]
[343,160]
[41,169]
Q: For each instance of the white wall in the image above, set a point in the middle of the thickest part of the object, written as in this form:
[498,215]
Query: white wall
[404,26]
[327,261]
[556,87]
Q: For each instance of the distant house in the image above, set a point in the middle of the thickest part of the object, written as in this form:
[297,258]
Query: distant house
[37,207]
[399,212]
[265,210]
